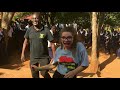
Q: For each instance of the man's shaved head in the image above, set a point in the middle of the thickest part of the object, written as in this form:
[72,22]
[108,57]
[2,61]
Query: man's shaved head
[36,18]
[36,14]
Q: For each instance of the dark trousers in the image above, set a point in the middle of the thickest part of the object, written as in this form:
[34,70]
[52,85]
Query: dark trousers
[58,75]
[42,62]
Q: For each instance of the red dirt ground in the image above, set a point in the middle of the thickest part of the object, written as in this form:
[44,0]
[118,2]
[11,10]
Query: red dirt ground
[110,68]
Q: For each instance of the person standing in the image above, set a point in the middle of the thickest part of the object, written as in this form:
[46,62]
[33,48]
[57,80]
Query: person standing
[52,52]
[70,58]
[38,35]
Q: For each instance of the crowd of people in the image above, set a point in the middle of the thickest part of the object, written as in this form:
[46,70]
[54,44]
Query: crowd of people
[60,45]
[15,37]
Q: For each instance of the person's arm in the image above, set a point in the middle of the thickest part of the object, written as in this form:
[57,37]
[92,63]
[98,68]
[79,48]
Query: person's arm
[53,49]
[84,63]
[26,36]
[46,67]
[23,49]
[74,72]
[52,41]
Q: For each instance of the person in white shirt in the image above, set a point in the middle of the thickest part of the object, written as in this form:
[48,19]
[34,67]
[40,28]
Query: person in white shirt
[51,52]
[75,26]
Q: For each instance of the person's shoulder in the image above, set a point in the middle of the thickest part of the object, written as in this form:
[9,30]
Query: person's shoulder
[59,48]
[45,28]
[80,46]
[31,27]
[51,31]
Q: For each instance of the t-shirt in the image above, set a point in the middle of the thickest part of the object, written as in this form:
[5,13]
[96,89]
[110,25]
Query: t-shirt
[68,60]
[38,42]
[49,44]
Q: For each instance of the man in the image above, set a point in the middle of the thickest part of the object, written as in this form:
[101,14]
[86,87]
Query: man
[38,35]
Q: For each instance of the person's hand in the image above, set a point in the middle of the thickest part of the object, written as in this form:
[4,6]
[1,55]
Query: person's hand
[22,58]
[34,67]
[51,61]
[70,74]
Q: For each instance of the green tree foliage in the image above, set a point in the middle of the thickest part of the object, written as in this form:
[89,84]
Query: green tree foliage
[82,18]
[112,18]
[21,14]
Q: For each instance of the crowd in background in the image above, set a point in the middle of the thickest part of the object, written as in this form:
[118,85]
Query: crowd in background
[109,37]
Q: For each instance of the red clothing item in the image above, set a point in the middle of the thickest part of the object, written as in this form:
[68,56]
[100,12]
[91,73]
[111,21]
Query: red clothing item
[64,59]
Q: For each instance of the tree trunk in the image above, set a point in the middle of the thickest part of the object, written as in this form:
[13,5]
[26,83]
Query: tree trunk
[94,61]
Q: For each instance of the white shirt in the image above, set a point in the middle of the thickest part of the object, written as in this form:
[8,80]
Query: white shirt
[75,26]
[49,45]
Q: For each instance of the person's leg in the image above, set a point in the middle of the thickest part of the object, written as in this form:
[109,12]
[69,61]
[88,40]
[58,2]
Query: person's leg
[44,73]
[51,58]
[57,75]
[35,74]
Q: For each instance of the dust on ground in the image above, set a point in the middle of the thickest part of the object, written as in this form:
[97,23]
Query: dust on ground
[109,64]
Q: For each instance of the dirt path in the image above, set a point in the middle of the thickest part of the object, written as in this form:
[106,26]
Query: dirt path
[109,68]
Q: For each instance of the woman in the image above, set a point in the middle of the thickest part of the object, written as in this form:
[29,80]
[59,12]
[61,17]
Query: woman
[71,57]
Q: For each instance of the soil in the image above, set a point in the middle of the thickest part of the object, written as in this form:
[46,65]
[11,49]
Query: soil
[109,68]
